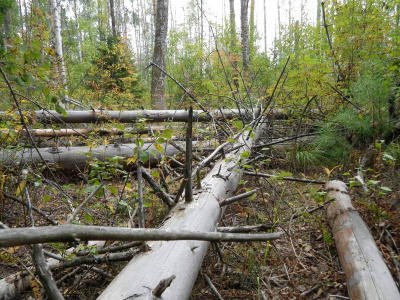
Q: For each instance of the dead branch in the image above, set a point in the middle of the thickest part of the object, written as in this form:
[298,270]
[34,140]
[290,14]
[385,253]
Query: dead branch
[34,208]
[167,199]
[237,198]
[73,233]
[44,273]
[162,286]
[285,178]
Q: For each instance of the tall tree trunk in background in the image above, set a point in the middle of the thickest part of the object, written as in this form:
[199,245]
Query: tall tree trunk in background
[77,18]
[252,28]
[55,7]
[112,15]
[160,49]
[232,25]
[244,20]
[265,28]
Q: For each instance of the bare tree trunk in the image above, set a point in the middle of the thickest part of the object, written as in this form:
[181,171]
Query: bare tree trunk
[55,6]
[367,275]
[252,28]
[112,15]
[244,19]
[265,28]
[182,259]
[160,49]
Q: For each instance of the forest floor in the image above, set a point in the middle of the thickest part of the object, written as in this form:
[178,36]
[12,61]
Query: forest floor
[303,264]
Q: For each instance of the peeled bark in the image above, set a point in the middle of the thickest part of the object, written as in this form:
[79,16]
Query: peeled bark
[182,258]
[367,275]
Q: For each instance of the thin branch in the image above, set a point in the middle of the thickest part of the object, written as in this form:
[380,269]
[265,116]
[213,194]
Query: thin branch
[285,178]
[80,207]
[237,198]
[34,208]
[156,188]
[283,140]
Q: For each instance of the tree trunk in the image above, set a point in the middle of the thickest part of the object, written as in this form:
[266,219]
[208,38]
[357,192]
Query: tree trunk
[244,19]
[182,258]
[57,40]
[367,275]
[112,15]
[160,49]
[75,157]
[133,116]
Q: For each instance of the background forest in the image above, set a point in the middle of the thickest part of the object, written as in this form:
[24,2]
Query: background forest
[343,64]
[328,80]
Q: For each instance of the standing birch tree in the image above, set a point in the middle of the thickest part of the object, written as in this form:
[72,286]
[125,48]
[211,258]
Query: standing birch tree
[159,55]
[55,17]
[244,20]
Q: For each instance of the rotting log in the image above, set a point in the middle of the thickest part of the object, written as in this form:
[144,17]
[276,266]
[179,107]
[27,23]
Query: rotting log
[71,158]
[367,275]
[133,116]
[181,258]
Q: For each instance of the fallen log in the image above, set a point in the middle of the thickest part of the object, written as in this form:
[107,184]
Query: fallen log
[65,132]
[134,116]
[367,275]
[72,158]
[182,258]
[12,237]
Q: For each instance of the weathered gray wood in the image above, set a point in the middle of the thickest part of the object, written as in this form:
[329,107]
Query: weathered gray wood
[367,275]
[181,258]
[71,233]
[75,157]
[133,116]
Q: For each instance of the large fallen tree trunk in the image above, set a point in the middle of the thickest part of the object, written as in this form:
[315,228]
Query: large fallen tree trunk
[133,116]
[76,157]
[367,275]
[80,131]
[182,259]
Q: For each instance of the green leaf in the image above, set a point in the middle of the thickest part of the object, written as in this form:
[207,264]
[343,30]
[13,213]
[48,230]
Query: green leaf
[245,154]
[144,156]
[231,140]
[237,124]
[385,188]
[88,217]
[167,134]
[46,198]
[113,190]
[155,174]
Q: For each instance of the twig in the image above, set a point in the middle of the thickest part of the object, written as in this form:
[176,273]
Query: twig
[156,188]
[285,178]
[237,198]
[283,140]
[211,285]
[109,249]
[34,208]
[82,205]
[247,229]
